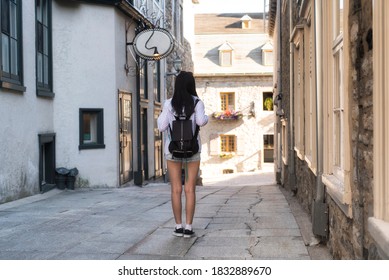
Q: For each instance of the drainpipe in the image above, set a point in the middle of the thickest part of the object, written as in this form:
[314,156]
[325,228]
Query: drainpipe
[138,175]
[292,173]
[320,208]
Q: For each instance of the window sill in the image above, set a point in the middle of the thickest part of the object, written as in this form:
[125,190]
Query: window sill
[89,147]
[13,86]
[45,93]
[308,160]
[379,230]
[335,188]
[299,153]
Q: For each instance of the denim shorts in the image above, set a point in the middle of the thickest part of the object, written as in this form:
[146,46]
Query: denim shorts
[195,157]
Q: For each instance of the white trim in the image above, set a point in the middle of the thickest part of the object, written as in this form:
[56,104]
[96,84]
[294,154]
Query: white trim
[336,189]
[381,114]
[379,230]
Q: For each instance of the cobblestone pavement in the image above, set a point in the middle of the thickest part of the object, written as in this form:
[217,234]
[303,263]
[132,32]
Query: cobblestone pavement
[238,216]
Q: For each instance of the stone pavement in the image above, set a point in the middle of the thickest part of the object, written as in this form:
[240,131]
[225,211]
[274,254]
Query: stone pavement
[238,216]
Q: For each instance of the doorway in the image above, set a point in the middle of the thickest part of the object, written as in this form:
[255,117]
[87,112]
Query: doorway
[125,137]
[144,141]
[46,161]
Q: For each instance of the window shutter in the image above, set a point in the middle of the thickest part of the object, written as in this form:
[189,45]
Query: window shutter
[214,144]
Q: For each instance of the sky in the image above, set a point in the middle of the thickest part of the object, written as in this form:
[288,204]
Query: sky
[228,6]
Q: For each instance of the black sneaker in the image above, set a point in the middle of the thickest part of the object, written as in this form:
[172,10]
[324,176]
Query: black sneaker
[188,233]
[178,232]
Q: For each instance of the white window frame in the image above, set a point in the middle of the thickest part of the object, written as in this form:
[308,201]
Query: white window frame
[285,145]
[378,225]
[337,133]
[225,58]
[298,92]
[267,57]
[228,137]
[229,95]
[338,110]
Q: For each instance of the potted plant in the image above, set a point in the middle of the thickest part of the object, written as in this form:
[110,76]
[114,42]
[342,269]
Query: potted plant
[268,104]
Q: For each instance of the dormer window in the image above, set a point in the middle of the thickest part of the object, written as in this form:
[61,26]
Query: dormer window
[225,54]
[267,54]
[246,22]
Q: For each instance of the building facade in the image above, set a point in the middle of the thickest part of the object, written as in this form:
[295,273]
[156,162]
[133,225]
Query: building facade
[331,153]
[233,70]
[76,95]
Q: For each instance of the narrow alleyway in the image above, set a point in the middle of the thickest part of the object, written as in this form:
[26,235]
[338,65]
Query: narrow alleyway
[242,216]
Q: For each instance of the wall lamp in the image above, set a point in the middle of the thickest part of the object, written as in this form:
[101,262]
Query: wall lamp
[177,65]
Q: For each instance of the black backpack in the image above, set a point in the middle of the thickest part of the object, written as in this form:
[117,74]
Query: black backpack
[183,143]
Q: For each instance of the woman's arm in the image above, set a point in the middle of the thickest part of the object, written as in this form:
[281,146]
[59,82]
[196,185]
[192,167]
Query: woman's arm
[201,117]
[163,119]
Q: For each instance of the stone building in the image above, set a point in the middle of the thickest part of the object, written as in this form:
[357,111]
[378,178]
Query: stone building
[233,69]
[329,80]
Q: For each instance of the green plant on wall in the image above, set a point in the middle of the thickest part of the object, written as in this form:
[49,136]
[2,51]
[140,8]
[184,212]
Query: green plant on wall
[268,104]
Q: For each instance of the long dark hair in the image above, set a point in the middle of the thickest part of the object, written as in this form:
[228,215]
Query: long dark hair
[184,89]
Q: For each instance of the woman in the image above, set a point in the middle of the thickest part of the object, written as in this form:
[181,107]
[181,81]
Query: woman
[183,101]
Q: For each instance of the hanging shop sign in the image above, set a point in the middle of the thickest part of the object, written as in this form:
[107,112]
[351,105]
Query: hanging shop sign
[153,43]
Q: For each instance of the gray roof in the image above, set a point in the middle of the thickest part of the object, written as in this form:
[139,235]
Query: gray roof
[247,50]
[228,23]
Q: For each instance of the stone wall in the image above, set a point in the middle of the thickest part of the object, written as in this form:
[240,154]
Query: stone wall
[348,235]
[361,52]
[184,51]
[305,184]
[285,82]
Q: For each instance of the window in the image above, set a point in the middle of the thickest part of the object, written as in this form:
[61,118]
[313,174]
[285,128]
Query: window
[227,100]
[298,92]
[226,58]
[43,48]
[337,136]
[268,148]
[284,141]
[225,54]
[157,84]
[267,54]
[143,79]
[181,29]
[268,58]
[228,143]
[268,101]
[91,129]
[338,112]
[11,45]
[338,91]
[177,11]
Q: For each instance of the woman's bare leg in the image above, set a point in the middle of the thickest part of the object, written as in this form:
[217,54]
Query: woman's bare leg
[190,190]
[174,169]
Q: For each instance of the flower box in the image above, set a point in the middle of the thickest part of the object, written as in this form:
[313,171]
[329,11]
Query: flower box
[227,115]
[226,156]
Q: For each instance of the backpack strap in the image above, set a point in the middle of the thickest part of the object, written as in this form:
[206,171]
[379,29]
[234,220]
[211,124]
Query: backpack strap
[187,118]
[197,127]
[197,101]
